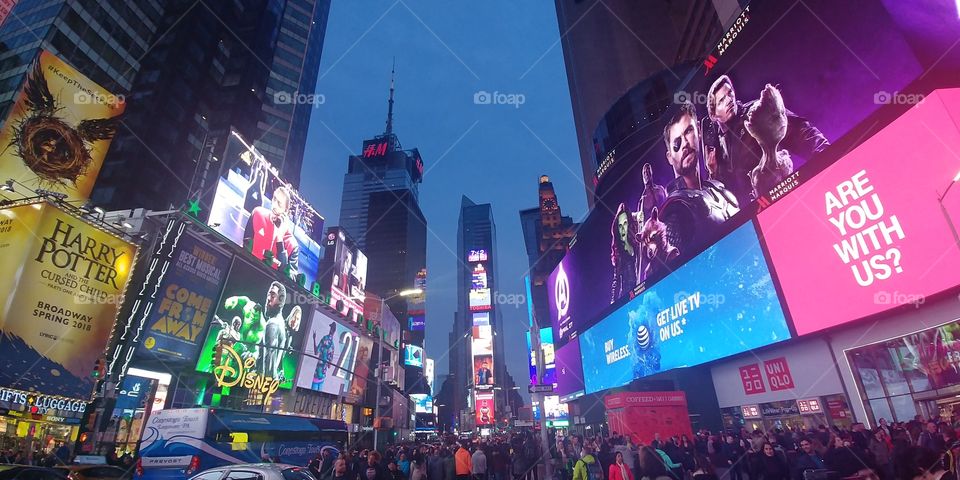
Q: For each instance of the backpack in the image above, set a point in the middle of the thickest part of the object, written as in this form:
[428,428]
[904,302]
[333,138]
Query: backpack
[594,471]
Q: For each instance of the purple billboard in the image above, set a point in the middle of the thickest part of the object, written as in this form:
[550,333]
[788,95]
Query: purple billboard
[569,371]
[690,148]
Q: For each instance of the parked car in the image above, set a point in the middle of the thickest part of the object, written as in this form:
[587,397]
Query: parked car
[29,472]
[94,472]
[255,471]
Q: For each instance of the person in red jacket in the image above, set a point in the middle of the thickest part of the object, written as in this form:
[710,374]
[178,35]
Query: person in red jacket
[619,470]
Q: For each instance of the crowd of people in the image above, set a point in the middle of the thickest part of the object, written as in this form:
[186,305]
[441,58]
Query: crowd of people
[499,458]
[908,450]
[915,450]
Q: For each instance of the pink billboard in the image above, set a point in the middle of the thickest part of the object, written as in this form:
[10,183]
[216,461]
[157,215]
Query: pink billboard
[875,230]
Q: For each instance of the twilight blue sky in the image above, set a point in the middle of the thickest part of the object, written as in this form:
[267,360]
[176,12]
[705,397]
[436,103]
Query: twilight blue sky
[445,53]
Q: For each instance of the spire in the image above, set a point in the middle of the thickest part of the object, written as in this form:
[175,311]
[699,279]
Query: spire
[393,70]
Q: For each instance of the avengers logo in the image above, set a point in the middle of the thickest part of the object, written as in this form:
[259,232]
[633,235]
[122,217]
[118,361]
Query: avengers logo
[561,293]
[228,375]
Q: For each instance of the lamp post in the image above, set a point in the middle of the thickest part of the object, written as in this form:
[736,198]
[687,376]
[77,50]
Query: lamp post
[376,406]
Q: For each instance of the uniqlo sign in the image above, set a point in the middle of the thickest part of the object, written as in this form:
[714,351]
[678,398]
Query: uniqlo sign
[778,374]
[752,379]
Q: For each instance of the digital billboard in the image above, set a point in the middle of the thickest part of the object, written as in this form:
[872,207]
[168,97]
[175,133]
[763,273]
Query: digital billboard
[549,358]
[413,356]
[876,228]
[361,370]
[330,352]
[429,373]
[481,318]
[422,403]
[479,295]
[478,255]
[256,332]
[569,371]
[189,292]
[58,130]
[485,411]
[416,323]
[63,281]
[482,352]
[678,157]
[345,271]
[254,208]
[721,303]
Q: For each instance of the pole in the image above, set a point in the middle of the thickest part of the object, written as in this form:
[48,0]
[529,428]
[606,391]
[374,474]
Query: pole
[376,407]
[544,439]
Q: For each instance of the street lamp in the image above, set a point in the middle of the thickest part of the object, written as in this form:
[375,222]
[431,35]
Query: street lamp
[376,407]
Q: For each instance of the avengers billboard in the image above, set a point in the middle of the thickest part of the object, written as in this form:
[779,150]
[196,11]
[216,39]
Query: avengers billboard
[255,334]
[689,149]
[721,303]
[877,228]
[188,295]
[58,130]
[254,208]
[64,281]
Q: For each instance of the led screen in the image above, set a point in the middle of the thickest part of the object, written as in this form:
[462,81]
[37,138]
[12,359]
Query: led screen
[721,303]
[480,299]
[569,371]
[875,228]
[416,323]
[422,403]
[478,255]
[413,356]
[429,373]
[557,413]
[482,351]
[255,318]
[549,358]
[481,318]
[485,411]
[254,208]
[345,267]
[330,352]
[702,163]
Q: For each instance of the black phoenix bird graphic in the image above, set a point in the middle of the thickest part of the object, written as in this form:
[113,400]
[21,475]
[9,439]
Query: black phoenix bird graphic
[57,152]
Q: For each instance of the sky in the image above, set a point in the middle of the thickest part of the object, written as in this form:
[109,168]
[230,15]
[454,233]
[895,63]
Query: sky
[448,53]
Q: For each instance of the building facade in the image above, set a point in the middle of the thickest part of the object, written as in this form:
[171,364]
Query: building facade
[250,67]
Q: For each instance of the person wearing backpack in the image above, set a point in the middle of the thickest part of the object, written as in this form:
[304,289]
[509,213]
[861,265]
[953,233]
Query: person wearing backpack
[587,468]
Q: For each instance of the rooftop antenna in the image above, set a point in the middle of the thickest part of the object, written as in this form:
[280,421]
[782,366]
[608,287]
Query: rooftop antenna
[393,70]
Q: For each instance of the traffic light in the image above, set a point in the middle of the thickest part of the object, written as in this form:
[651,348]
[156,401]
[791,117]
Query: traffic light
[99,368]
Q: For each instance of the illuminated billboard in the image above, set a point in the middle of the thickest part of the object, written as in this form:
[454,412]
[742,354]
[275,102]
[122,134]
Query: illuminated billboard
[254,208]
[479,300]
[361,370]
[569,371]
[58,130]
[422,403]
[874,235]
[256,331]
[683,161]
[481,318]
[549,358]
[429,372]
[330,352]
[479,295]
[188,296]
[557,414]
[344,272]
[413,356]
[485,411]
[482,352]
[64,281]
[721,303]
[478,255]
[416,323]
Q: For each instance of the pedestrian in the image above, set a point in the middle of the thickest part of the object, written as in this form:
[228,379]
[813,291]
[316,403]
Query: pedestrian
[403,463]
[588,467]
[734,453]
[341,471]
[463,462]
[619,470]
[478,464]
[770,465]
[703,468]
[652,466]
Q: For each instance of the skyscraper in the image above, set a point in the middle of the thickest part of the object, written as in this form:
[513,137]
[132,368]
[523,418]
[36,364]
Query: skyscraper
[483,387]
[611,45]
[380,208]
[247,66]
[103,40]
[546,235]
